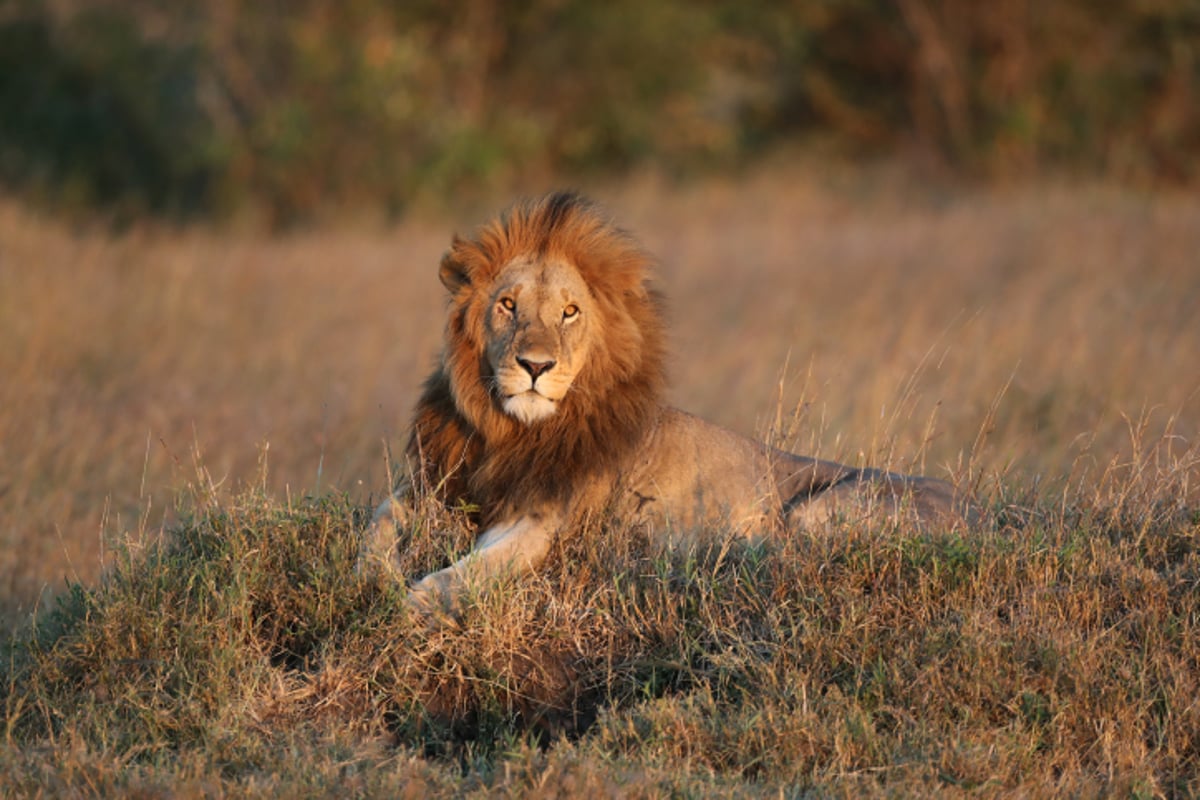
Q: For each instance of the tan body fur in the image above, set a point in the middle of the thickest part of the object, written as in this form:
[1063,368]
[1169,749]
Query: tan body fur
[693,474]
[546,408]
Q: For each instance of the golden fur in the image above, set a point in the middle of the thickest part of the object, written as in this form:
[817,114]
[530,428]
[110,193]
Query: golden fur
[547,406]
[460,430]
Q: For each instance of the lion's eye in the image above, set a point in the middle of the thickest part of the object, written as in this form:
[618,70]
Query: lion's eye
[570,311]
[508,303]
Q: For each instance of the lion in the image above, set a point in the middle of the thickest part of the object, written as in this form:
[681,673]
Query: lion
[547,406]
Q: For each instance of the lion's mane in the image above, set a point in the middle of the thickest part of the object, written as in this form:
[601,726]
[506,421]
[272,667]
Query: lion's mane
[464,442]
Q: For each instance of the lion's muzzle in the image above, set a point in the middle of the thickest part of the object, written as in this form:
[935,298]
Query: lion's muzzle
[535,368]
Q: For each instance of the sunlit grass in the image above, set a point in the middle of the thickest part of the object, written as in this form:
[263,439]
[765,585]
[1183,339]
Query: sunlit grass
[1051,650]
[1036,344]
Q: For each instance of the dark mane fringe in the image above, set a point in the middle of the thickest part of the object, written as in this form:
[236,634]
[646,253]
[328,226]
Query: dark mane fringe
[461,437]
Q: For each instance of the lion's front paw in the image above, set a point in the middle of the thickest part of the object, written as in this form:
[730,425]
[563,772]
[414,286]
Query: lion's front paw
[377,553]
[432,600]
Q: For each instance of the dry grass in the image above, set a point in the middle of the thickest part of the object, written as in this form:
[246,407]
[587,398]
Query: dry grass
[1038,342]
[1052,656]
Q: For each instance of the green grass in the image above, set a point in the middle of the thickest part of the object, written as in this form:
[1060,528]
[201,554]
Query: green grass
[1047,651]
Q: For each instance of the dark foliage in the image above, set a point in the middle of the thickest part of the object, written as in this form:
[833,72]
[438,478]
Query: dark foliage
[296,108]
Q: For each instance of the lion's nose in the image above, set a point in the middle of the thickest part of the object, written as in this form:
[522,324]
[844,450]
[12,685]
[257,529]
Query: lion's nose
[535,368]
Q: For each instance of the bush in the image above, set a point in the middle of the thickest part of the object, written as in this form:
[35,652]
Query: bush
[298,108]
[92,114]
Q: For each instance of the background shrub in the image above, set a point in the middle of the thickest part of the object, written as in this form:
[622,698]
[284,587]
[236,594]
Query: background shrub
[300,107]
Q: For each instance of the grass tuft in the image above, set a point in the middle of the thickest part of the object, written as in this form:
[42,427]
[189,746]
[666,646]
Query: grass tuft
[1050,652]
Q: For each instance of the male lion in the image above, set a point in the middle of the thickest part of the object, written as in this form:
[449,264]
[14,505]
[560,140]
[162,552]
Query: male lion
[547,405]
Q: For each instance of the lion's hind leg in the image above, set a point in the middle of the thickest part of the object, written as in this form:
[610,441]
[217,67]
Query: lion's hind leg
[873,496]
[843,502]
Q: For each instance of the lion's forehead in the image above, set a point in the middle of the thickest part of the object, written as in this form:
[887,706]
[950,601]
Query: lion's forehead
[542,281]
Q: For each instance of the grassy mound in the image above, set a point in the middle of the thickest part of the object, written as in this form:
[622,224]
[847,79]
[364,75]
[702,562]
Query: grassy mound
[1050,651]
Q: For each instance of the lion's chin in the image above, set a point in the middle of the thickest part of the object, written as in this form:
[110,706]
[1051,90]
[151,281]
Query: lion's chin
[529,407]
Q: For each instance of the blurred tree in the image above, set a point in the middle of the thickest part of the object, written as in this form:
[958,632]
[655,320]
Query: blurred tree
[94,114]
[299,106]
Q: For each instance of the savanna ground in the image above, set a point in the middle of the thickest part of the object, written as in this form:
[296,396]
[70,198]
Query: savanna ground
[193,426]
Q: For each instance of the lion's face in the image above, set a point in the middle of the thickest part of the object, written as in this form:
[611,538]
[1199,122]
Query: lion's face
[553,331]
[537,332]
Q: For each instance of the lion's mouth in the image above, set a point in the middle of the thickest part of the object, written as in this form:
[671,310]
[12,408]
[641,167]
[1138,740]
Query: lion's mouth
[529,406]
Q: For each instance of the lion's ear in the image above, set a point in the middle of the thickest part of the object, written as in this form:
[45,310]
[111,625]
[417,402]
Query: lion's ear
[454,273]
